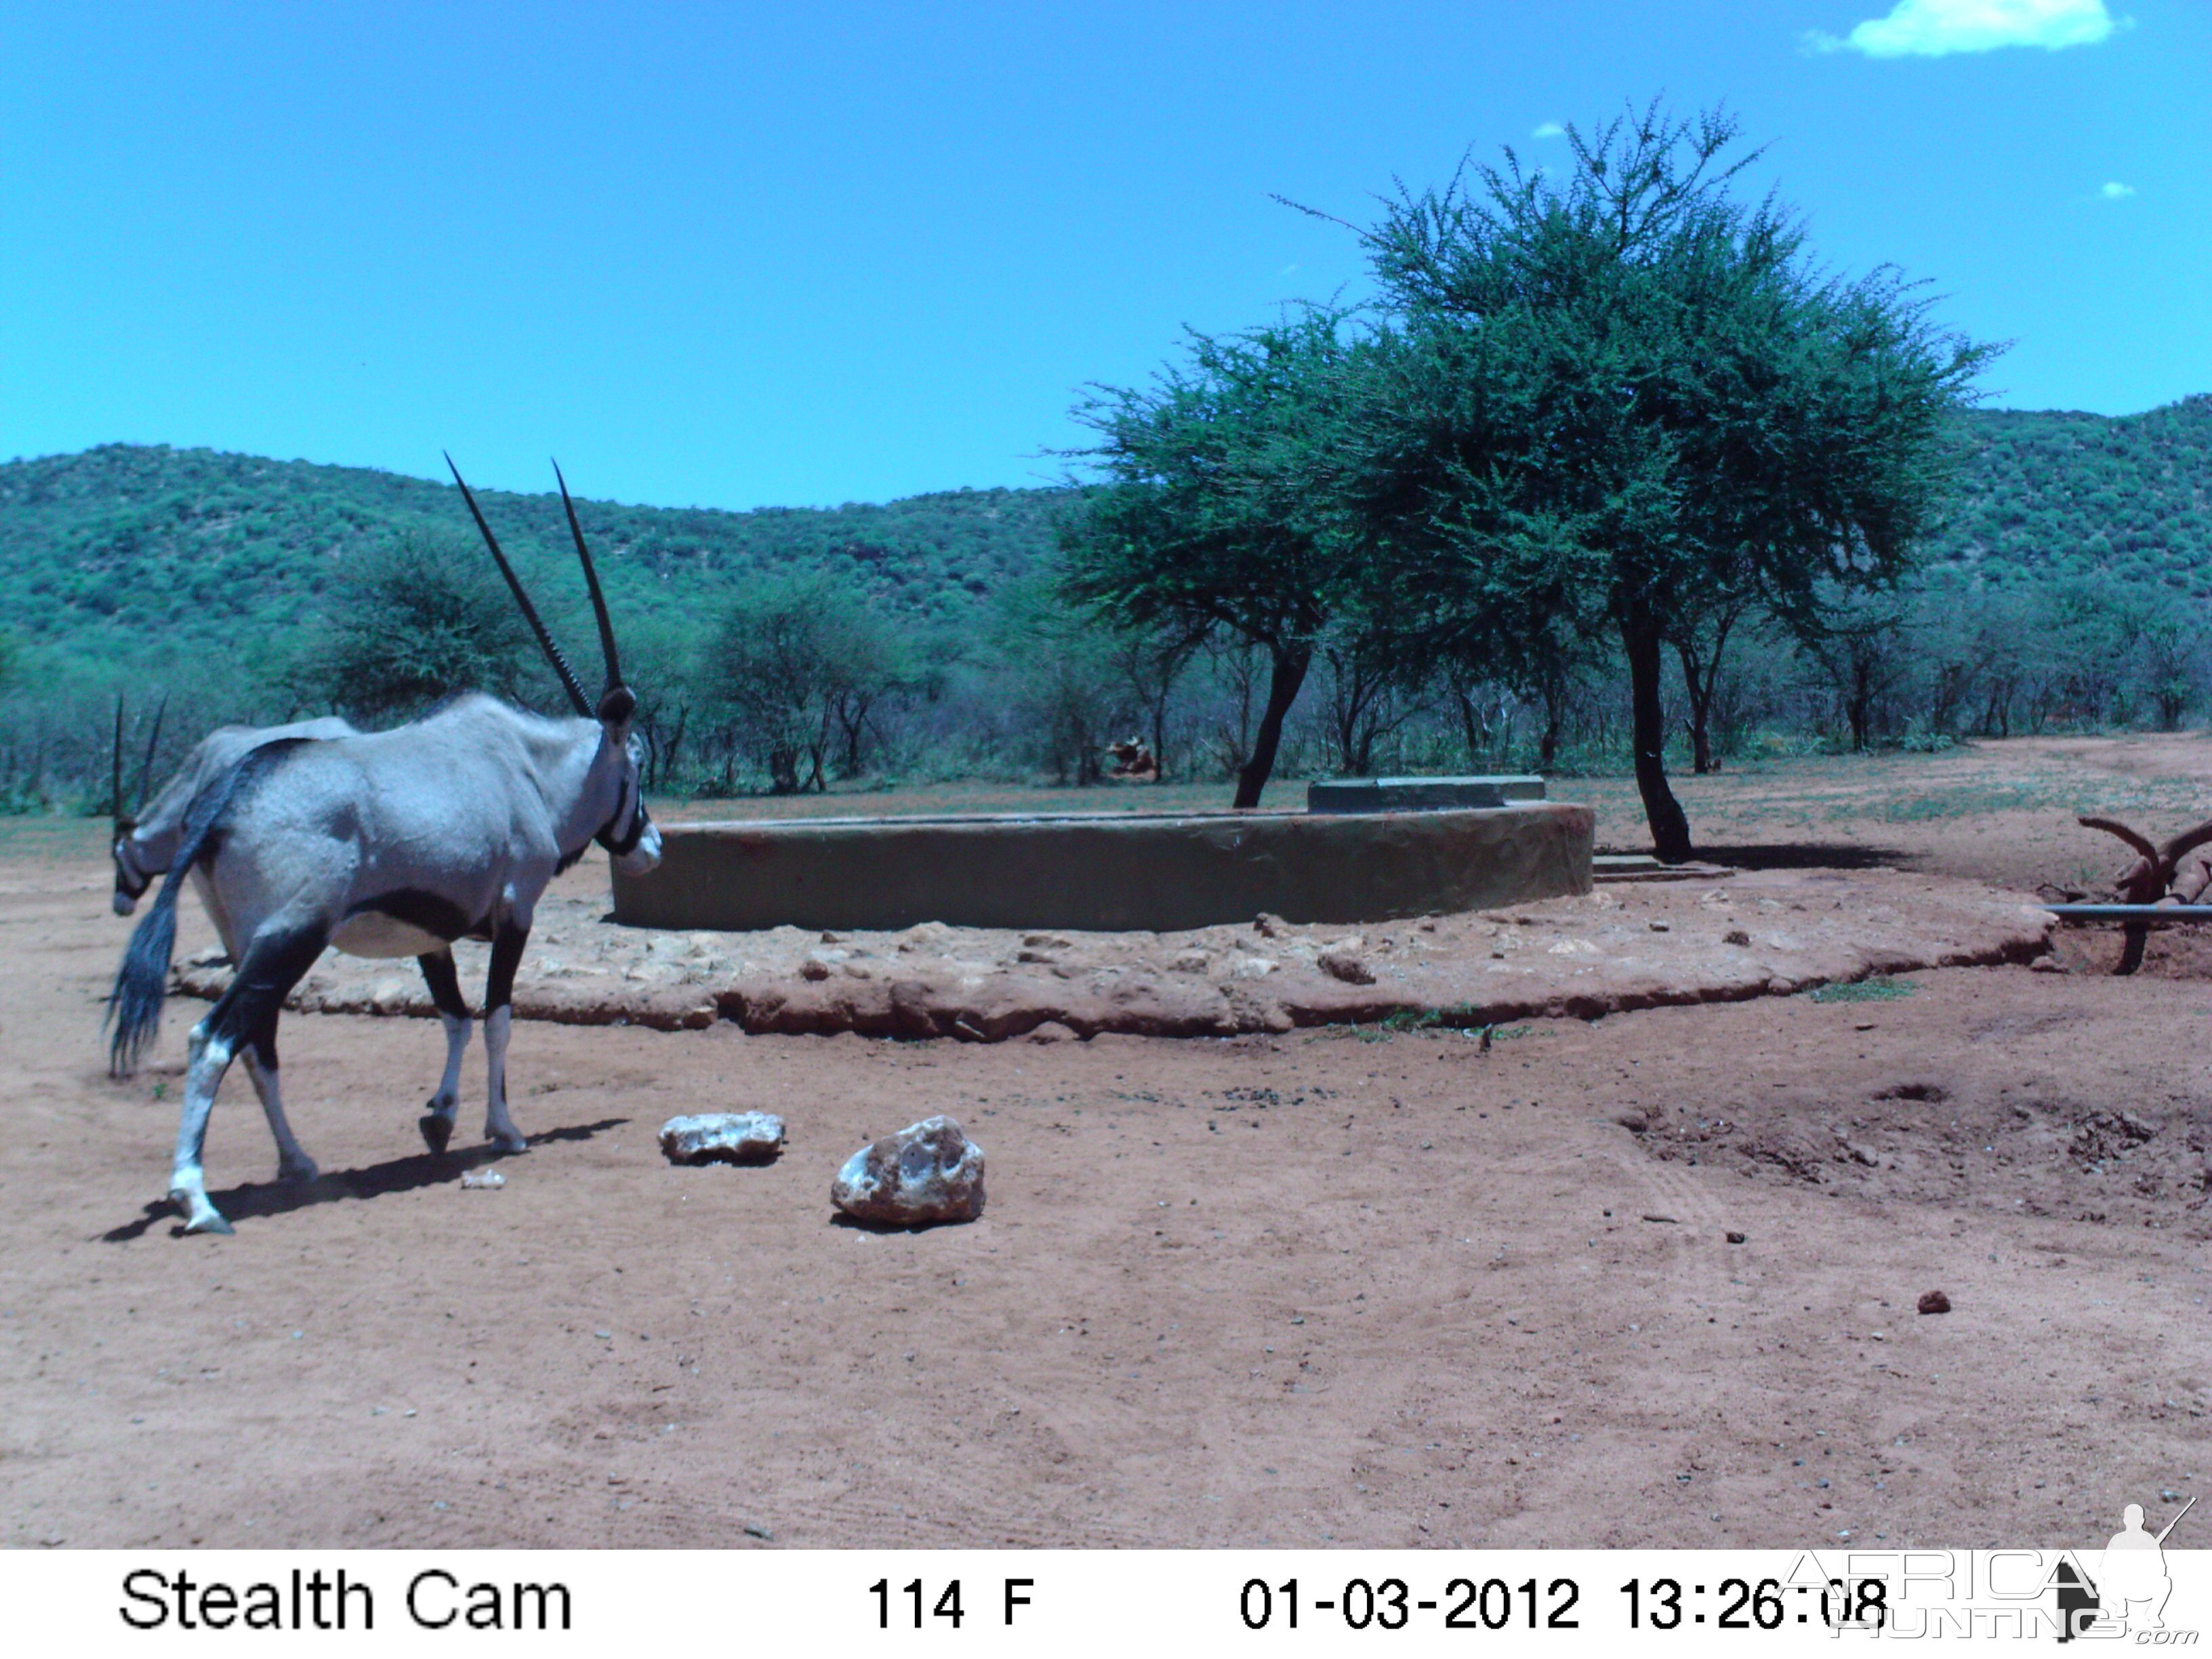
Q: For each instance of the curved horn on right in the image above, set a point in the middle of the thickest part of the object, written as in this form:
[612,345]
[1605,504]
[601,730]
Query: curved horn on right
[2185,843]
[529,611]
[592,581]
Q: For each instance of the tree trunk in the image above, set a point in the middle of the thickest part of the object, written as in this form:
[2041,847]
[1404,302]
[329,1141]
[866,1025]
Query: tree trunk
[1289,673]
[667,758]
[1670,827]
[1701,710]
[1555,716]
[1860,708]
[1473,727]
[851,712]
[1168,663]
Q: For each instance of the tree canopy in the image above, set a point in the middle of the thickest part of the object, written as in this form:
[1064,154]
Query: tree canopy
[1611,400]
[800,662]
[1621,398]
[1222,515]
[413,619]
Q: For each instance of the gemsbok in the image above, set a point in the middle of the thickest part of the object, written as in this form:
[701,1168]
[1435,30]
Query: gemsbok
[388,844]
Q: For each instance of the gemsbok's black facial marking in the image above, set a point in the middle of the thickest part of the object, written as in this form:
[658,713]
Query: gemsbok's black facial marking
[621,833]
[627,844]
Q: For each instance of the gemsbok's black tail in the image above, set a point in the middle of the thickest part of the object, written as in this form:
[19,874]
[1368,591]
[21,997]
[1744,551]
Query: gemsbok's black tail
[134,1007]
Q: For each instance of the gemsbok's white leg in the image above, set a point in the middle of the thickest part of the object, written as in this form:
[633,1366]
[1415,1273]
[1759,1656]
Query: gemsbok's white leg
[438,1112]
[440,1109]
[208,1059]
[499,1128]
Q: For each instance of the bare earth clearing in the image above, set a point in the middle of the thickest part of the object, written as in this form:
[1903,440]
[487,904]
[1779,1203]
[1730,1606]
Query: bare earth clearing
[1306,1284]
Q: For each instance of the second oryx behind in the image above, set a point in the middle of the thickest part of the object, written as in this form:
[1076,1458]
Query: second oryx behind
[145,844]
[386,844]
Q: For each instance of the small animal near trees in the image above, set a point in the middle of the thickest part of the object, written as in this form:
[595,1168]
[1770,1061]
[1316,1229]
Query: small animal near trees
[391,843]
[1133,762]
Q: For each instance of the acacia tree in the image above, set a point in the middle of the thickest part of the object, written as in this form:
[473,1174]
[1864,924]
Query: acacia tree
[1699,641]
[798,662]
[1625,399]
[1220,517]
[1370,684]
[1064,683]
[1860,647]
[411,620]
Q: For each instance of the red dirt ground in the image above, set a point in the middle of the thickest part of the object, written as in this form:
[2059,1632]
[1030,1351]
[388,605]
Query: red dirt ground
[1331,1286]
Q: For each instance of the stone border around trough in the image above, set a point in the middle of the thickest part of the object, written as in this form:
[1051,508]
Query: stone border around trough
[1623,946]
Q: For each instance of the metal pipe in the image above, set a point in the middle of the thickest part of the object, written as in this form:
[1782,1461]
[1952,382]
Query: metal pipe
[2130,912]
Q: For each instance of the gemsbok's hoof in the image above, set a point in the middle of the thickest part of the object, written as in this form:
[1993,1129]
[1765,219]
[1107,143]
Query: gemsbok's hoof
[436,1131]
[200,1216]
[513,1141]
[298,1174]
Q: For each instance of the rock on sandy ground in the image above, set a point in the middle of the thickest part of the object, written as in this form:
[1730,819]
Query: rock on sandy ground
[1624,946]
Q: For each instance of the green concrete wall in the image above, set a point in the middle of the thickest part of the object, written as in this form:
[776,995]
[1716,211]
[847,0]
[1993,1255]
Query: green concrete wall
[1420,794]
[1107,873]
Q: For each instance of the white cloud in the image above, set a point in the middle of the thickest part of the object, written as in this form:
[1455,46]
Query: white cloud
[2116,191]
[1934,29]
[1549,130]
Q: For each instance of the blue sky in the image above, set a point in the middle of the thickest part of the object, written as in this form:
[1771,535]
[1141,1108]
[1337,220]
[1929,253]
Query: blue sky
[747,255]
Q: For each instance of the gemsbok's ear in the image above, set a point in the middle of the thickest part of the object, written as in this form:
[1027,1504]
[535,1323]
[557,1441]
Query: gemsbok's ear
[617,706]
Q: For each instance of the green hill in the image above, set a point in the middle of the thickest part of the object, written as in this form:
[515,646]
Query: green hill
[2052,493]
[107,552]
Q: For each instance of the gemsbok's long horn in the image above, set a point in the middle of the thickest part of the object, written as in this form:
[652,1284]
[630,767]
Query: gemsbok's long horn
[122,825]
[592,581]
[146,767]
[529,611]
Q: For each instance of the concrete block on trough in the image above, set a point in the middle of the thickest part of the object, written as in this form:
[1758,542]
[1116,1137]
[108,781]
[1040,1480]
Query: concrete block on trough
[1420,794]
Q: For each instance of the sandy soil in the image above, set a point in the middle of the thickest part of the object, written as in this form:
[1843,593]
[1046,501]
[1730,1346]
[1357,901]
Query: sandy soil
[1332,1285]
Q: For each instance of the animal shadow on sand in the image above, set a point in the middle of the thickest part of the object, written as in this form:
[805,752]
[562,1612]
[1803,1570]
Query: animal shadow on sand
[398,1175]
[1803,855]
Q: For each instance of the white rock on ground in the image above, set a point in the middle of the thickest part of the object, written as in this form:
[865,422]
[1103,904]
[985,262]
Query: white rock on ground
[928,1171]
[722,1138]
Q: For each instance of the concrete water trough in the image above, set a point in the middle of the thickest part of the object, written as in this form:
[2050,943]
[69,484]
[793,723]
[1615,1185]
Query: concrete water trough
[1106,872]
